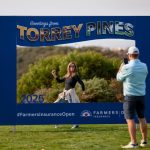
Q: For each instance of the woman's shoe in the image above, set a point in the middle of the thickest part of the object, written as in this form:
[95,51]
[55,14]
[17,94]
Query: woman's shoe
[56,126]
[75,126]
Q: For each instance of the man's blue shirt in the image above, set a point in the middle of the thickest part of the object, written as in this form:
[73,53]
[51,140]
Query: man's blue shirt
[133,76]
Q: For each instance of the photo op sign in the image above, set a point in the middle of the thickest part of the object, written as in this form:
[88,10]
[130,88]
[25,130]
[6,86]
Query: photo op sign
[61,70]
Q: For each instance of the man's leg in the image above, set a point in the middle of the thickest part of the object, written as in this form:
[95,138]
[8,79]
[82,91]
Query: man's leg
[143,128]
[140,108]
[132,130]
[129,112]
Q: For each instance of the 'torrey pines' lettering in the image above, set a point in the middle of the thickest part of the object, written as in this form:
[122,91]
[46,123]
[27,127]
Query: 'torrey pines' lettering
[73,31]
[49,34]
[109,27]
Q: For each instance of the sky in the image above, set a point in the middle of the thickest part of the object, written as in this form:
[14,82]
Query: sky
[106,43]
[75,7]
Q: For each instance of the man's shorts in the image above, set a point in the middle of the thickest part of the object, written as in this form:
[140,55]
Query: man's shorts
[134,105]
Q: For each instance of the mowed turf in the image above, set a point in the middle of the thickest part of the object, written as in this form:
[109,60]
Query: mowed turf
[46,137]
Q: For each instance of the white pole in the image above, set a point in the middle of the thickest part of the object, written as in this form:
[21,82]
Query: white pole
[14,128]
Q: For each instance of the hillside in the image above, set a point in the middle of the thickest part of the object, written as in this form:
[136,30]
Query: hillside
[28,55]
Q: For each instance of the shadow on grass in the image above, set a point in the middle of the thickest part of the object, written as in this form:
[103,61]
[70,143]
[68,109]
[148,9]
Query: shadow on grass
[63,128]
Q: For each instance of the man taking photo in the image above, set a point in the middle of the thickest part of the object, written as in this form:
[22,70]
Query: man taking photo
[133,75]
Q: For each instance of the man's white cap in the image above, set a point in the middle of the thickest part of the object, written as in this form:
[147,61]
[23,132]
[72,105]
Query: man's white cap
[133,50]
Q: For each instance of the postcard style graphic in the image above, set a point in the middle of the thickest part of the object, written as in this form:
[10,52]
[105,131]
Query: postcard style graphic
[63,69]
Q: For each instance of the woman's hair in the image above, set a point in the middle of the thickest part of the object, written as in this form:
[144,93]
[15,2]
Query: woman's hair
[68,74]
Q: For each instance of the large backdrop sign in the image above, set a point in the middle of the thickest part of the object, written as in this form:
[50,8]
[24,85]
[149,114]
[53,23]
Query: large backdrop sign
[32,47]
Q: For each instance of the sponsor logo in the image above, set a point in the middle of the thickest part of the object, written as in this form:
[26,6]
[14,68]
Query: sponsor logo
[86,113]
[101,114]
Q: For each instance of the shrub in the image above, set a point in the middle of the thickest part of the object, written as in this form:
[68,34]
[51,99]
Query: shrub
[97,90]
[90,64]
[50,94]
[117,88]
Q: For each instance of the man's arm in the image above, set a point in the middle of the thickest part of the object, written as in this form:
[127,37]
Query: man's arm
[122,73]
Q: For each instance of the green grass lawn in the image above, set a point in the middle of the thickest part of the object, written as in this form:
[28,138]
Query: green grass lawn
[46,137]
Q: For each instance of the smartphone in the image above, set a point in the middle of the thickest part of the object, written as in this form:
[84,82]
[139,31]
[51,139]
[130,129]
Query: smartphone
[125,60]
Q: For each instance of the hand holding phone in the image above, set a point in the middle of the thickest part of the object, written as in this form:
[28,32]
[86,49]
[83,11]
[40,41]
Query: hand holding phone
[125,60]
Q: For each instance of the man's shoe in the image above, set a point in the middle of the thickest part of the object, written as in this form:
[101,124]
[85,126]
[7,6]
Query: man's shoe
[143,143]
[130,145]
